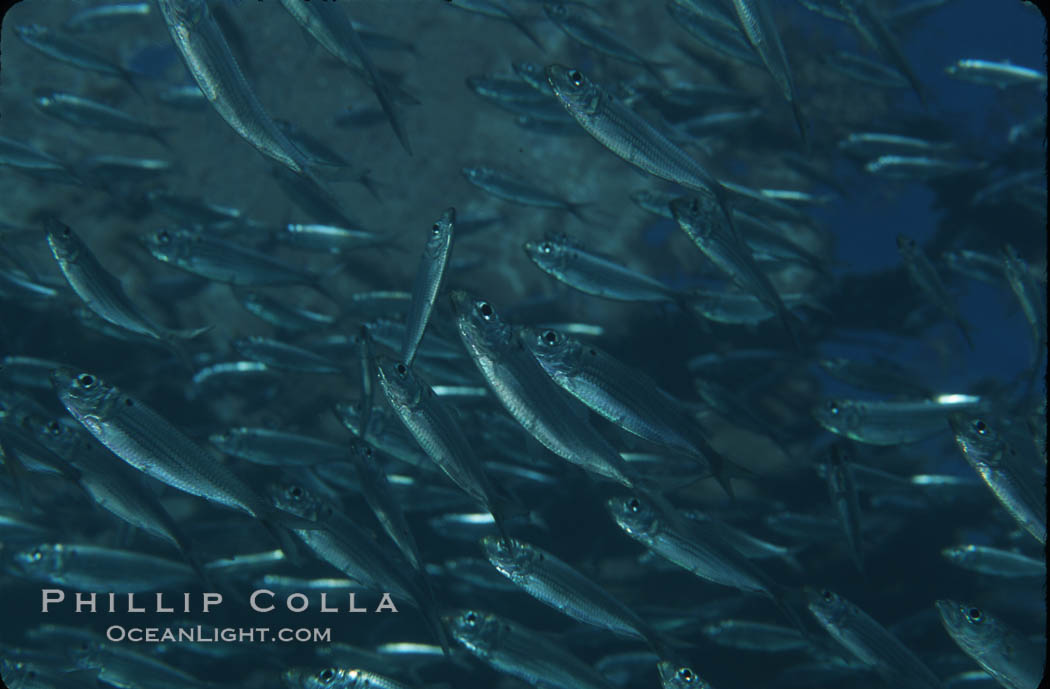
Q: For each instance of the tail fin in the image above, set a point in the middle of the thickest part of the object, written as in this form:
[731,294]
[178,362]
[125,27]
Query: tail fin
[522,27]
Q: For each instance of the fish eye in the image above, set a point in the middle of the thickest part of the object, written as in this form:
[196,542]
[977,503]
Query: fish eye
[162,237]
[980,427]
[35,556]
[401,369]
[435,230]
[827,595]
[326,675]
[67,232]
[974,615]
[486,310]
[686,675]
[549,337]
[576,78]
[634,505]
[546,248]
[295,492]
[86,380]
[833,408]
[470,618]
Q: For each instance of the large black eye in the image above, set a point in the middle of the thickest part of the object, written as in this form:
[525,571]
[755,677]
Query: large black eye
[634,505]
[485,309]
[974,615]
[549,337]
[162,237]
[326,675]
[296,492]
[470,618]
[401,369]
[827,595]
[686,675]
[86,381]
[833,408]
[576,78]
[980,427]
[546,248]
[66,232]
[435,230]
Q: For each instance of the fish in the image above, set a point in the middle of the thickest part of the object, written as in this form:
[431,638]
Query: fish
[679,677]
[84,112]
[497,10]
[1001,74]
[100,290]
[223,261]
[757,22]
[272,447]
[429,277]
[873,28]
[512,187]
[148,442]
[106,16]
[994,562]
[1005,470]
[924,275]
[339,678]
[551,581]
[72,52]
[888,422]
[437,431]
[868,641]
[699,218]
[517,380]
[91,568]
[512,649]
[842,492]
[574,23]
[332,28]
[626,397]
[206,53]
[1012,659]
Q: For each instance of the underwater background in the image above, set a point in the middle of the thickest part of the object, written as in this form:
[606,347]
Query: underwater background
[204,252]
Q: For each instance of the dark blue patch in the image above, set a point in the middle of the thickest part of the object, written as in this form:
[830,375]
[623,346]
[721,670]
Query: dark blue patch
[153,61]
[658,233]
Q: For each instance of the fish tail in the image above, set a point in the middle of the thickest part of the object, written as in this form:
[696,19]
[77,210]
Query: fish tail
[800,122]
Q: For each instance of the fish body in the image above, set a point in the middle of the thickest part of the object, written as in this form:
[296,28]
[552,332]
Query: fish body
[106,16]
[428,281]
[625,133]
[552,581]
[71,51]
[870,642]
[842,491]
[520,384]
[92,568]
[378,495]
[700,219]
[575,23]
[994,561]
[272,447]
[999,74]
[206,52]
[596,274]
[889,422]
[1007,472]
[924,275]
[339,678]
[84,112]
[522,653]
[514,188]
[1014,660]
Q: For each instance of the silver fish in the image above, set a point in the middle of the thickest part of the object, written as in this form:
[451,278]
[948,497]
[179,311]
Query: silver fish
[890,422]
[626,134]
[512,187]
[151,444]
[72,52]
[924,274]
[548,579]
[1007,655]
[92,568]
[756,19]
[339,678]
[84,112]
[842,491]
[439,434]
[497,10]
[522,653]
[994,562]
[106,16]
[428,281]
[1007,472]
[331,26]
[99,289]
[575,23]
[999,74]
[520,384]
[869,641]
[277,448]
